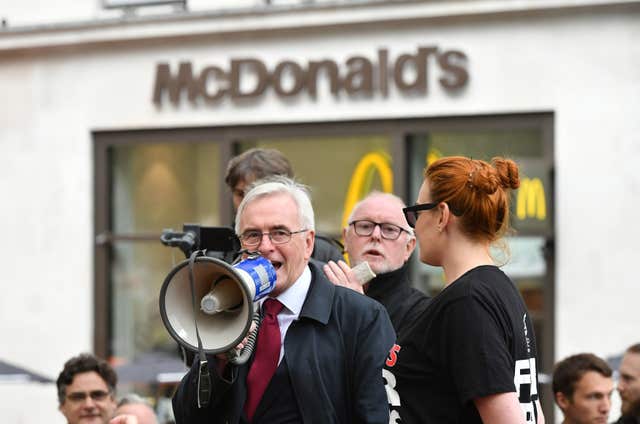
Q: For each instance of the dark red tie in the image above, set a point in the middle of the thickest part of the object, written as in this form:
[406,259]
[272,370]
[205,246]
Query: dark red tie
[266,358]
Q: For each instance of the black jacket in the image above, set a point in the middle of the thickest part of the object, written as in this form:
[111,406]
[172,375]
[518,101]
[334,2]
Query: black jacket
[326,249]
[334,353]
[403,302]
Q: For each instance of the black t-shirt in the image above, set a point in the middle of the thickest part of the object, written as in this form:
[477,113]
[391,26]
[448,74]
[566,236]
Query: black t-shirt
[475,339]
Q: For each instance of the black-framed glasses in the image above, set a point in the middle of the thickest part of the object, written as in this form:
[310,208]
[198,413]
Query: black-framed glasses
[252,238]
[96,395]
[364,228]
[411,212]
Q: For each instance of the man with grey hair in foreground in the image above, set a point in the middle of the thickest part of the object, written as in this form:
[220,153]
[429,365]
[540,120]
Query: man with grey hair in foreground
[320,348]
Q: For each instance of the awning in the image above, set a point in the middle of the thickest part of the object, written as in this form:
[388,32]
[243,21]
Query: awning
[10,373]
[152,367]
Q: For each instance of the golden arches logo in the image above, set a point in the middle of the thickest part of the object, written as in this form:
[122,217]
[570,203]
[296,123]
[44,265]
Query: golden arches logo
[362,177]
[433,155]
[531,200]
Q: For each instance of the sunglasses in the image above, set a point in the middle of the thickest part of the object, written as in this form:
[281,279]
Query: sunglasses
[411,212]
[96,395]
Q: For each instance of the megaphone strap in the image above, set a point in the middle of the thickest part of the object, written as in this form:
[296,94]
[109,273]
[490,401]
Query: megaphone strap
[204,378]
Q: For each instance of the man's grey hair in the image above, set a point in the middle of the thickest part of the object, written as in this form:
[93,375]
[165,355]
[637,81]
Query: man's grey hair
[280,184]
[392,197]
[132,399]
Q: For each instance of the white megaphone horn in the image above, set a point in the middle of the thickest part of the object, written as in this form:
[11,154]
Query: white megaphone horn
[215,310]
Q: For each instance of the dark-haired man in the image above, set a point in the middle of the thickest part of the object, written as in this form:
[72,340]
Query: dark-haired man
[629,386]
[582,387]
[86,388]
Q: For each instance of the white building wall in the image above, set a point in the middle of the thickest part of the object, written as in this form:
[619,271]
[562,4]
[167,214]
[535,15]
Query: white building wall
[582,66]
[21,13]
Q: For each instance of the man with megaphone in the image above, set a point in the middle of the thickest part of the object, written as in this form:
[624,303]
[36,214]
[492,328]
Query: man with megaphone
[320,348]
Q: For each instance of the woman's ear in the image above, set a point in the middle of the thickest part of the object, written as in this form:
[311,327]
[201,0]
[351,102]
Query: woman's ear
[444,215]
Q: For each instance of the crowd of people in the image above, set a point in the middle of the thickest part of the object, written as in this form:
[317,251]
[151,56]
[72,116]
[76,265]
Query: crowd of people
[334,349]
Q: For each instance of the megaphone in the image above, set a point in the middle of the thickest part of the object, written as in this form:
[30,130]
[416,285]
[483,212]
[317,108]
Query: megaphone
[217,306]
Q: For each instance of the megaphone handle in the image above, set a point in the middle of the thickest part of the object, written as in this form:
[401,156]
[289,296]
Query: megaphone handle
[204,384]
[242,357]
[204,378]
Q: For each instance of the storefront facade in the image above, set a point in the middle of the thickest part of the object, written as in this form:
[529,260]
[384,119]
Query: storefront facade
[113,132]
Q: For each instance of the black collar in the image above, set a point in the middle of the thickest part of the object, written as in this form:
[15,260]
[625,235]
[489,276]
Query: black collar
[383,285]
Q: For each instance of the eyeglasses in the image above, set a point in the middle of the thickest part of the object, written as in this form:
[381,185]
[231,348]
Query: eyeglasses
[388,231]
[411,212]
[253,238]
[96,395]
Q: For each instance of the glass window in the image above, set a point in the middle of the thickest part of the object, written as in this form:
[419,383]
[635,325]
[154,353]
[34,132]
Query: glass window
[154,186]
[338,170]
[531,204]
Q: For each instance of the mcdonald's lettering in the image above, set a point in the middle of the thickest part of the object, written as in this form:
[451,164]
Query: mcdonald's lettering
[358,76]
[531,201]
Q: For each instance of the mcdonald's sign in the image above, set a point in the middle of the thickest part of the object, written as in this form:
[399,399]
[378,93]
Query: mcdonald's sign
[362,177]
[433,155]
[531,201]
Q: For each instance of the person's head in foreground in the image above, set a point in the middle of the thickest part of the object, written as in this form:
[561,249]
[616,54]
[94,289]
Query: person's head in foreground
[136,406]
[276,219]
[462,207]
[86,389]
[377,233]
[629,382]
[582,387]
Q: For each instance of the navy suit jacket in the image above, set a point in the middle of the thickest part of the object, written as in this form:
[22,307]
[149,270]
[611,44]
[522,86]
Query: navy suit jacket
[334,354]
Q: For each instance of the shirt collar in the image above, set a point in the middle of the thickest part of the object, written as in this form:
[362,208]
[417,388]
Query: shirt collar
[293,298]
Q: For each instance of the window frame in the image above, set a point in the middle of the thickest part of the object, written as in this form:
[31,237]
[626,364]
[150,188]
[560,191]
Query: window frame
[229,138]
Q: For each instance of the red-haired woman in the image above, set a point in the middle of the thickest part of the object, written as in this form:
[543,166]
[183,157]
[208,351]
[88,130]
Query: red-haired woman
[472,354]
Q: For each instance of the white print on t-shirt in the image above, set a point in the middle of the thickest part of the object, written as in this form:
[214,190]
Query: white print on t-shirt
[392,395]
[390,385]
[525,375]
[526,337]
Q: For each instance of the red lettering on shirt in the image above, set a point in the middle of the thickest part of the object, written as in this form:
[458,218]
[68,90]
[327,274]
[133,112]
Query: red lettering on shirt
[393,355]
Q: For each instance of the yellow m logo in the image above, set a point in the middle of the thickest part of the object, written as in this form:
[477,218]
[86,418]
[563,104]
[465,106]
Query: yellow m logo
[361,179]
[531,200]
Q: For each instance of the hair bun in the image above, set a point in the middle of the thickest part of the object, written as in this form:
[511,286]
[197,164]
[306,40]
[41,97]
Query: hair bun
[483,179]
[507,171]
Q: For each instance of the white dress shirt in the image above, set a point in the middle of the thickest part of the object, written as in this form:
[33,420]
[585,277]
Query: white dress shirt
[292,299]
